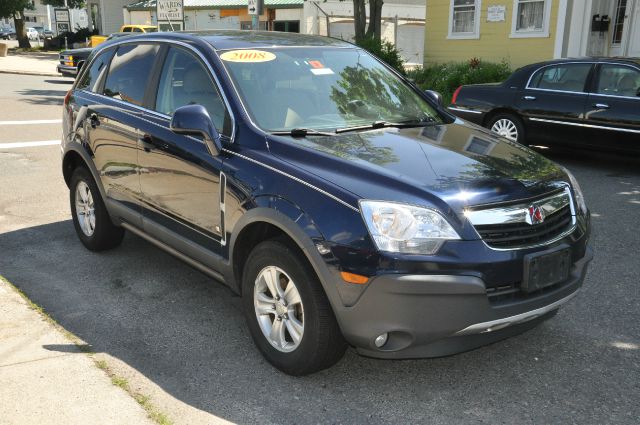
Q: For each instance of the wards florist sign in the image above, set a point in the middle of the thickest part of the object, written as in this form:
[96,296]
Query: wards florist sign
[170,10]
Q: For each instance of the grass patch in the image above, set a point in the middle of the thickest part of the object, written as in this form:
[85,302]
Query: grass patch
[145,401]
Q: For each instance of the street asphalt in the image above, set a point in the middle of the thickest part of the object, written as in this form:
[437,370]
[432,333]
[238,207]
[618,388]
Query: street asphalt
[182,336]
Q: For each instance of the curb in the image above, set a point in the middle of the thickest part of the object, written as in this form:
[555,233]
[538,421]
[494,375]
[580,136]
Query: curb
[44,74]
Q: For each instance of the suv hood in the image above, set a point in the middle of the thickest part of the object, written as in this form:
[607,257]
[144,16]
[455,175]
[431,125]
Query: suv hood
[84,50]
[457,164]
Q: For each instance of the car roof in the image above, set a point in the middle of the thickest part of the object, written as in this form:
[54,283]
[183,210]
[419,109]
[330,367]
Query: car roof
[635,61]
[239,39]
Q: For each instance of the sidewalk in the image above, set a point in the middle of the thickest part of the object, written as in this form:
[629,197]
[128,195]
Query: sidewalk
[40,63]
[46,379]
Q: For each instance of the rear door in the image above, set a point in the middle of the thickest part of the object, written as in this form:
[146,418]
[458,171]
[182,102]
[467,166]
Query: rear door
[613,109]
[553,102]
[113,121]
[180,179]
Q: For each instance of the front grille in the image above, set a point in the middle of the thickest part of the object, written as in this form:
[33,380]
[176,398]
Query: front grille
[513,235]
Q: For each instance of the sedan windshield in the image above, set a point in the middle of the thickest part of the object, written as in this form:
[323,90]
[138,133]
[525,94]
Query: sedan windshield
[322,89]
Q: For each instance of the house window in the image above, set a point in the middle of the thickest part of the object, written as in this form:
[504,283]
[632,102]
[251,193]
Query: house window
[618,26]
[531,18]
[464,19]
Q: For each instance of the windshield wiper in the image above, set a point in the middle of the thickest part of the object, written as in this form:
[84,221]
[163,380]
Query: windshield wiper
[383,124]
[302,132]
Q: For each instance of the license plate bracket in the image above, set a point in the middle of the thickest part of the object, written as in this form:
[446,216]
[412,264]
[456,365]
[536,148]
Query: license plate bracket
[546,268]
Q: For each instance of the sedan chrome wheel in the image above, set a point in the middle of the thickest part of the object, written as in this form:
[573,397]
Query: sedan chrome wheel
[85,209]
[279,309]
[506,128]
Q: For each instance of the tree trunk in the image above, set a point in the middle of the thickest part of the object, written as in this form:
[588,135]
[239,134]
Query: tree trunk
[21,35]
[375,20]
[359,19]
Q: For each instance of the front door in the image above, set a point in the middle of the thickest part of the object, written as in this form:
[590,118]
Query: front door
[179,178]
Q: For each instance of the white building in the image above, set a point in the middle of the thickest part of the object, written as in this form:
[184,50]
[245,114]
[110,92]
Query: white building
[619,37]
[402,23]
[43,15]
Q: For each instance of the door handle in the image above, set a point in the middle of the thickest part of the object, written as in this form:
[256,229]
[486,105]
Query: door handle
[529,98]
[601,105]
[94,120]
[147,143]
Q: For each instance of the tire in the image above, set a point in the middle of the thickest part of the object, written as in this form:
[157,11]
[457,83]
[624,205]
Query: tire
[320,343]
[91,220]
[506,125]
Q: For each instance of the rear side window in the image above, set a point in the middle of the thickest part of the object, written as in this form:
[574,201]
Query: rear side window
[129,71]
[619,80]
[186,81]
[563,77]
[99,66]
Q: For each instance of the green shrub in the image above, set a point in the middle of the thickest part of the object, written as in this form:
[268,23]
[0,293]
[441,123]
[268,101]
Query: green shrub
[446,78]
[385,51]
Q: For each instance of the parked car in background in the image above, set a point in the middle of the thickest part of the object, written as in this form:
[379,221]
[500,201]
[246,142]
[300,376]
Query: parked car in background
[342,203]
[579,103]
[72,60]
[139,28]
[7,34]
[33,33]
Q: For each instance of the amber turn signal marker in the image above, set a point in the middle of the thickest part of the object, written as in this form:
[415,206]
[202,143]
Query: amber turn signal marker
[354,278]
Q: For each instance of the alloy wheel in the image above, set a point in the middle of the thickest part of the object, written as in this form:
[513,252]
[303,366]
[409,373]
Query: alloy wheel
[279,309]
[85,209]
[506,128]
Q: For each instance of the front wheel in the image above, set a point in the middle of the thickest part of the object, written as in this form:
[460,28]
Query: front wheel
[509,126]
[287,311]
[90,217]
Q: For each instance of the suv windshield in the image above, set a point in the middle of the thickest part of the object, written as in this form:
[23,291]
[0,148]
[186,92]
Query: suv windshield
[322,89]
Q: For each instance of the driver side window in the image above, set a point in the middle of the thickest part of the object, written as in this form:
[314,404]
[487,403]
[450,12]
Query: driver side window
[186,81]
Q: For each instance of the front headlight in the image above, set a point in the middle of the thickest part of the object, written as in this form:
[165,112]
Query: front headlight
[405,228]
[577,192]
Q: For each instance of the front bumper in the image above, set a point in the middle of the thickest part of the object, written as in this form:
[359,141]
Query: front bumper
[439,315]
[67,70]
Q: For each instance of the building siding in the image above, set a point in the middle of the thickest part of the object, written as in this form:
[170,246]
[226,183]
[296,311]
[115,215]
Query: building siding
[494,44]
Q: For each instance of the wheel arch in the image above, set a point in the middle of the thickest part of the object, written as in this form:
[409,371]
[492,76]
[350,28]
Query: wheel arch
[501,110]
[263,223]
[74,158]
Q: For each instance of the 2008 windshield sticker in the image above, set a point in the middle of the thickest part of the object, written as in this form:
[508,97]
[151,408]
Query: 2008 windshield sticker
[247,56]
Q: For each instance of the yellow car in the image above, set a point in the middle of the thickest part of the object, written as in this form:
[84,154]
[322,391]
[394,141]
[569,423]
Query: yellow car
[138,28]
[97,39]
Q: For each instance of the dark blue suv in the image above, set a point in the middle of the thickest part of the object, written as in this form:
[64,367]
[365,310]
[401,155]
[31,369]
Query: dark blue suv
[344,205]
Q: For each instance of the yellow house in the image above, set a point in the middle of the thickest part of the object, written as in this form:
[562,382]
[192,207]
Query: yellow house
[527,31]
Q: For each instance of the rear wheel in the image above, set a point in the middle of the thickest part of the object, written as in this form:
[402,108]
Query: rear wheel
[287,311]
[509,126]
[90,217]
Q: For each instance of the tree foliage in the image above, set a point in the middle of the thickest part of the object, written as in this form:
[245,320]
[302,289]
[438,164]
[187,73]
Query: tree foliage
[15,9]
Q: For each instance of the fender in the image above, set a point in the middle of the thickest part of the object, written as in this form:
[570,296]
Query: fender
[300,228]
[82,150]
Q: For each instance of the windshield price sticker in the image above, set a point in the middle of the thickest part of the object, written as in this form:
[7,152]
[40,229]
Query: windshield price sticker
[247,56]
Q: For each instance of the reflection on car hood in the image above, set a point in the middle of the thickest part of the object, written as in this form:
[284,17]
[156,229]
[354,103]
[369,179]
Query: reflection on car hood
[455,163]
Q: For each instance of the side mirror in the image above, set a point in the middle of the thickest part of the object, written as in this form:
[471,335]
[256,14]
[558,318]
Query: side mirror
[437,97]
[194,120]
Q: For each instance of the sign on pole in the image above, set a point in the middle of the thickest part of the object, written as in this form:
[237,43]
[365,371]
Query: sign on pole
[252,7]
[170,15]
[63,20]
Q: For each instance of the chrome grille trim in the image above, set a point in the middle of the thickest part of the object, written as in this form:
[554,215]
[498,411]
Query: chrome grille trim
[517,214]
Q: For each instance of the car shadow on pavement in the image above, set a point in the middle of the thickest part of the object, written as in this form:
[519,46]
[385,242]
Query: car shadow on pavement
[61,81]
[42,97]
[186,333]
